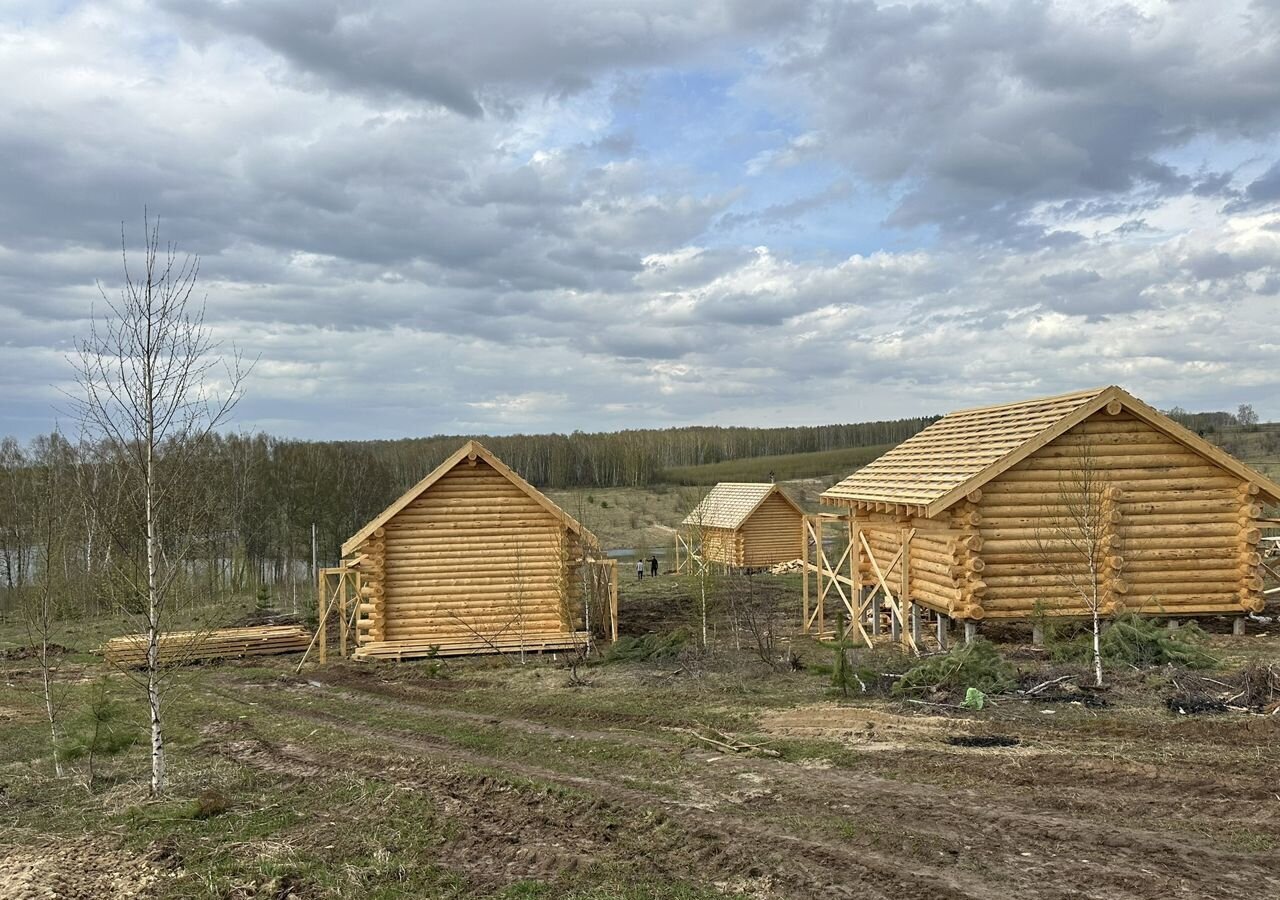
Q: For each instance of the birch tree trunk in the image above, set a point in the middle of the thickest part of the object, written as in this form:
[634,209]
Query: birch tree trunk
[153,623]
[46,684]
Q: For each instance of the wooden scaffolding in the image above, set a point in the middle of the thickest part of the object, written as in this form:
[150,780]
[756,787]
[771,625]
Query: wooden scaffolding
[687,555]
[867,592]
[337,595]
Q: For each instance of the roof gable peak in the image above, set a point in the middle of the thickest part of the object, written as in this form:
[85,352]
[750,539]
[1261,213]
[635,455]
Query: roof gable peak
[471,450]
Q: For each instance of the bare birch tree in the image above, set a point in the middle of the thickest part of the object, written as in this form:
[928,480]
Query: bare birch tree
[699,536]
[1076,540]
[153,384]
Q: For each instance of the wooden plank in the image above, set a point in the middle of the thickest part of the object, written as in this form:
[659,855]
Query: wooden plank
[191,646]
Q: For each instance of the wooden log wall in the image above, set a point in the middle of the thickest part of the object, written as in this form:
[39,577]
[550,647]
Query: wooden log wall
[966,521]
[769,534]
[1180,533]
[1249,555]
[371,621]
[722,545]
[937,557]
[474,555]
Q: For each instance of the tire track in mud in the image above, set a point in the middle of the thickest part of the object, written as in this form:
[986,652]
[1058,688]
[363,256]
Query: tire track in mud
[387,693]
[692,844]
[1159,794]
[1023,847]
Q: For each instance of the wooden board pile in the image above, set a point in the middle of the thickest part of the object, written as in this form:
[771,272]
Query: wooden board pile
[179,647]
[786,568]
[462,646]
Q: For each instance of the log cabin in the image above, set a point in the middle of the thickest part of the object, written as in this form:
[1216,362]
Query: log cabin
[474,559]
[1005,512]
[746,525]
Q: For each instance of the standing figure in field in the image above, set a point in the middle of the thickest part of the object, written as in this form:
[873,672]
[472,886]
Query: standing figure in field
[639,569]
[653,566]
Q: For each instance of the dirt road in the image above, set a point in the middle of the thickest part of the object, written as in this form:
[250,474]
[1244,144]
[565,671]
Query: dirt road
[1103,806]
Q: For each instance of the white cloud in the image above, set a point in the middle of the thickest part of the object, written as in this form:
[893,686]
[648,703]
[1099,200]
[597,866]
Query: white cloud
[522,238]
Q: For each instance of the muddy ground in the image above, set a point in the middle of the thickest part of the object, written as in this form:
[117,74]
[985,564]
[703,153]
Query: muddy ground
[490,778]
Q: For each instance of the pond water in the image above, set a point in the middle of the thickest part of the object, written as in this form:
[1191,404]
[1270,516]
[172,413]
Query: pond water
[632,553]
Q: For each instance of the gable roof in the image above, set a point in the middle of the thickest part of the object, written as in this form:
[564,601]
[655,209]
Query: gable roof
[469,451]
[964,450]
[730,503]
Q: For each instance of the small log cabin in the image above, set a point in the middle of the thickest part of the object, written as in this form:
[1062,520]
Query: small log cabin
[474,559]
[746,525]
[987,510]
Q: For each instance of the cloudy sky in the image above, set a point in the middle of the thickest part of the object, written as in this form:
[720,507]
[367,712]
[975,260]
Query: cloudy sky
[495,216]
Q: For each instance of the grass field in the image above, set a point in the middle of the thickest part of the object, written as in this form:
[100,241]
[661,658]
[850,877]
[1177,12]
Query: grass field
[487,778]
[1259,447]
[643,519]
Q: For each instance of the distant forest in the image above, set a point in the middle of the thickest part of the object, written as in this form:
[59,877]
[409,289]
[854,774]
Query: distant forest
[258,496]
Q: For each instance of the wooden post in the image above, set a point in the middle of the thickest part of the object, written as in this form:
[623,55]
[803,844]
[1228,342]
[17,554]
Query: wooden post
[1037,635]
[804,573]
[322,624]
[342,612]
[904,582]
[1237,626]
[821,555]
[855,561]
[613,599]
[970,631]
[874,610]
[943,622]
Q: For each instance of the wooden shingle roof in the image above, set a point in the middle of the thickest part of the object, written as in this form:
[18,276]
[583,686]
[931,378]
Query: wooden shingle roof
[730,503]
[962,451]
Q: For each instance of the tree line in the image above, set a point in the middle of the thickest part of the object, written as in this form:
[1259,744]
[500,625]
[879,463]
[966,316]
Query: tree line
[253,499]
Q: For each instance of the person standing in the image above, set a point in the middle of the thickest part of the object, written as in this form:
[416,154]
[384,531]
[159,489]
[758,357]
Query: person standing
[639,569]
[653,566]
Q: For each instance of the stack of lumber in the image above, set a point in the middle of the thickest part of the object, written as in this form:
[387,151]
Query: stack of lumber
[462,646]
[177,647]
[786,568]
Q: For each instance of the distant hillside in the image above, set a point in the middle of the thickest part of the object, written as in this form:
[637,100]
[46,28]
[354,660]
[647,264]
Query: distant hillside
[1258,445]
[784,467]
[616,459]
